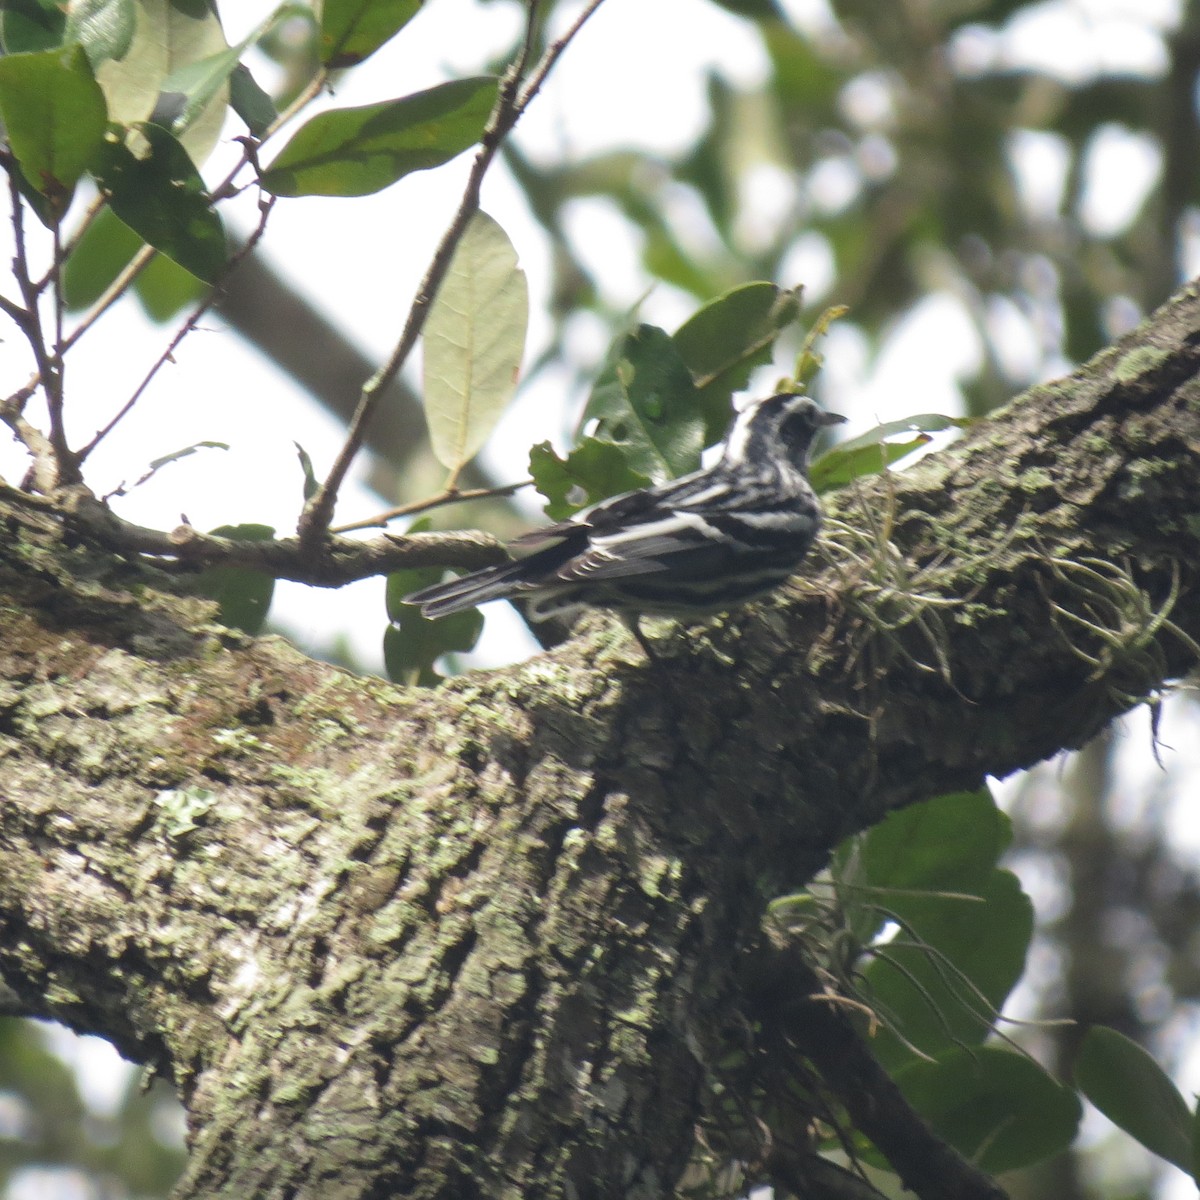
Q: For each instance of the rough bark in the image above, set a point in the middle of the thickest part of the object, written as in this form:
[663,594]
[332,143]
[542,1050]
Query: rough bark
[479,941]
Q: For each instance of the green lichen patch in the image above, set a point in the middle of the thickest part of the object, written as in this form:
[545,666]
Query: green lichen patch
[1138,362]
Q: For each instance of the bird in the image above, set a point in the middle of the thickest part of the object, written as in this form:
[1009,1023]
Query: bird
[688,548]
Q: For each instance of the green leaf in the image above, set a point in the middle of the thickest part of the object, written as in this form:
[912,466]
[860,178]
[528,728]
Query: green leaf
[27,26]
[199,84]
[995,1107]
[311,483]
[194,86]
[158,193]
[156,464]
[810,360]
[725,340]
[806,77]
[164,288]
[250,102]
[1195,1168]
[645,402]
[474,340]
[1136,1094]
[356,151]
[104,28]
[351,30]
[55,117]
[593,471]
[736,118]
[870,453]
[837,467]
[169,37]
[951,966]
[104,250]
[243,594]
[950,843]
[757,9]
[413,643]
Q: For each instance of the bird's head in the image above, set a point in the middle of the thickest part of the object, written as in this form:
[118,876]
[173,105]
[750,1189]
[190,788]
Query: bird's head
[779,428]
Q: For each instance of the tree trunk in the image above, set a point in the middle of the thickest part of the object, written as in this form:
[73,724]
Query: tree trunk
[481,941]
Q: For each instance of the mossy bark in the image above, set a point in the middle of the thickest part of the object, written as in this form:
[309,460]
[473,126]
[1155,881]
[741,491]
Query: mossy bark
[481,941]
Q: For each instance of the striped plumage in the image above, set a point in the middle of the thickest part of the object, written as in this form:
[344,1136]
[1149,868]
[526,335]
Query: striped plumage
[688,548]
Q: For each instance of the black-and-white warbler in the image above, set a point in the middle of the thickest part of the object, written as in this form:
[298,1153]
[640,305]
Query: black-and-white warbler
[687,549]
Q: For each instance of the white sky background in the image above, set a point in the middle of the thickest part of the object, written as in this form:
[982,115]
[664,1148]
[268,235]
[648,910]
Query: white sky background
[634,78]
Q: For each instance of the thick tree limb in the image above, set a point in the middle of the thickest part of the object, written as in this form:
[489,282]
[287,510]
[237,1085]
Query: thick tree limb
[479,941]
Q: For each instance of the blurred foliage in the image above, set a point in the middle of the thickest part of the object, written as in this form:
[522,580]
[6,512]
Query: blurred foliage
[899,136]
[47,1130]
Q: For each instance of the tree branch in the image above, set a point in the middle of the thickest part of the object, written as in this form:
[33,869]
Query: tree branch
[336,562]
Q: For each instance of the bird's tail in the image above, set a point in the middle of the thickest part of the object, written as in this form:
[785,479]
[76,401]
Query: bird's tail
[492,583]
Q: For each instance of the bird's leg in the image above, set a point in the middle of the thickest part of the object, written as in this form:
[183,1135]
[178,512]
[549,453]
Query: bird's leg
[631,621]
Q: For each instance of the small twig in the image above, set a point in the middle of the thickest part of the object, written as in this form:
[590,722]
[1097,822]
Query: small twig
[157,465]
[91,213]
[447,496]
[15,404]
[310,91]
[111,294]
[186,328]
[54,276]
[12,309]
[511,103]
[49,367]
[54,464]
[551,56]
[44,474]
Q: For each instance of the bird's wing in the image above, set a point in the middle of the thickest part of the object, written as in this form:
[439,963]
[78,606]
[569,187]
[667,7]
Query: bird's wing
[655,544]
[644,506]
[667,528]
[548,533]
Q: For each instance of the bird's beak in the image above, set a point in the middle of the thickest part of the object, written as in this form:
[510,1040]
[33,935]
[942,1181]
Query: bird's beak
[831,419]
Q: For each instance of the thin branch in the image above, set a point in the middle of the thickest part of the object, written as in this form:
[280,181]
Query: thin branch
[111,294]
[62,469]
[186,328]
[510,105]
[54,276]
[15,404]
[85,223]
[552,55]
[447,496]
[43,472]
[339,560]
[11,308]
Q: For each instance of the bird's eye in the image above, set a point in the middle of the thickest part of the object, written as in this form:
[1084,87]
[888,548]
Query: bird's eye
[797,428]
